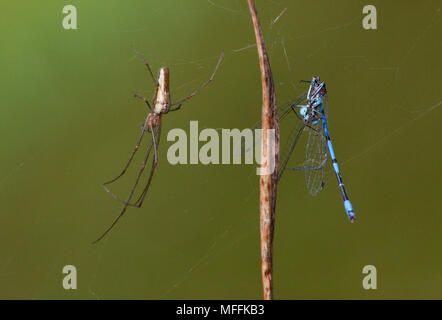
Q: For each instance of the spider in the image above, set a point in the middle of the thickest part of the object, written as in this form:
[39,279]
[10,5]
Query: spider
[161,105]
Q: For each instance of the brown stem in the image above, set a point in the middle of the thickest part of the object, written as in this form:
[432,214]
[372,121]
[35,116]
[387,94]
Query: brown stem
[268,183]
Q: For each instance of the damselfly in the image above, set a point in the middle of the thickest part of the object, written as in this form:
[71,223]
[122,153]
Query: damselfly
[313,118]
[162,104]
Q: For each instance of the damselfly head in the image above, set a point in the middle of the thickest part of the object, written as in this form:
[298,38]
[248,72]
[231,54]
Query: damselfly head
[303,111]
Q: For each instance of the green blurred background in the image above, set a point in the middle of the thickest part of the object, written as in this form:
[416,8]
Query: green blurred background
[68,122]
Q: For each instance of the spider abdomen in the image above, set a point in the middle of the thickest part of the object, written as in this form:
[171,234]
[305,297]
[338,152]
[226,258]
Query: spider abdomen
[162,101]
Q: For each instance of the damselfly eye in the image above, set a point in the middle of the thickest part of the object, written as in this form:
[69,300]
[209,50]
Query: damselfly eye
[303,111]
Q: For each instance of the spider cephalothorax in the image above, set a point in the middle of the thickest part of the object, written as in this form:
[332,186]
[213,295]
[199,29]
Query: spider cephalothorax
[153,120]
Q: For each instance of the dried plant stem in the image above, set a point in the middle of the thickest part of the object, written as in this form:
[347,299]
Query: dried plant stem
[268,183]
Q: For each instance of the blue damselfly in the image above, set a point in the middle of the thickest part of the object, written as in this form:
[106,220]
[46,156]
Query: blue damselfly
[313,118]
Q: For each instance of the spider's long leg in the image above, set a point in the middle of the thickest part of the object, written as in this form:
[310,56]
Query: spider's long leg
[112,225]
[146,64]
[127,203]
[175,109]
[118,198]
[203,85]
[142,196]
[137,146]
[144,99]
